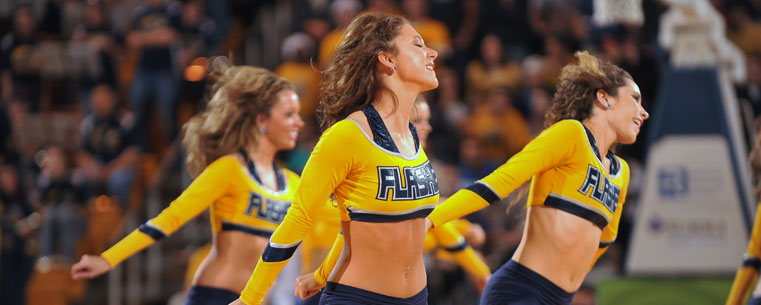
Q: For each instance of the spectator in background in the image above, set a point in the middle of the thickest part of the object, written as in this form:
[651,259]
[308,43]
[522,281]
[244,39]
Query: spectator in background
[532,73]
[491,71]
[18,221]
[342,12]
[296,68]
[93,53]
[473,164]
[195,33]
[750,91]
[64,217]
[500,129]
[20,61]
[508,19]
[742,30]
[311,17]
[109,151]
[6,134]
[558,51]
[448,116]
[155,32]
[434,32]
[539,103]
[383,6]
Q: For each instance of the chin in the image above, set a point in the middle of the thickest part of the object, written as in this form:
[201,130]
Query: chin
[629,140]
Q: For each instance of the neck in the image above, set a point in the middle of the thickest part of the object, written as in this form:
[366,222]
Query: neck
[262,153]
[604,136]
[384,102]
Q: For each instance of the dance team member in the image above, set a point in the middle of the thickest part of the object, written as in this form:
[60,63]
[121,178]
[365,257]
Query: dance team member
[370,158]
[252,115]
[577,187]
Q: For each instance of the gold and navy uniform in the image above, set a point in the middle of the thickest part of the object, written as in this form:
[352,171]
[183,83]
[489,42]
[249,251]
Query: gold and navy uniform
[748,273]
[566,173]
[371,182]
[237,202]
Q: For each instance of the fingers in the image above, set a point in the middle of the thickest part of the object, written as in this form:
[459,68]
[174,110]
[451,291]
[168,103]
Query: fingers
[80,271]
[311,293]
[305,293]
[89,267]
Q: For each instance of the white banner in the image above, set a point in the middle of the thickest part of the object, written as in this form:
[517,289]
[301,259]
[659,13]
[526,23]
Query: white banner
[689,219]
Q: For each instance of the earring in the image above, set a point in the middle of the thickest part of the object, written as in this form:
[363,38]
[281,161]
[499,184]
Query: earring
[262,130]
[608,105]
[394,68]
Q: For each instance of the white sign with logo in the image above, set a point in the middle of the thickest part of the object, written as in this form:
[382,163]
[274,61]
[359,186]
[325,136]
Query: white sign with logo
[689,219]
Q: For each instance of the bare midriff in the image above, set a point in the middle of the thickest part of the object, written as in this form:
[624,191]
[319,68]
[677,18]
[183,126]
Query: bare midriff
[558,245]
[384,258]
[231,260]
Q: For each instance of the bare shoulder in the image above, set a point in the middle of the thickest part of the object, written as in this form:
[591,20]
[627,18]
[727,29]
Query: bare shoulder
[361,119]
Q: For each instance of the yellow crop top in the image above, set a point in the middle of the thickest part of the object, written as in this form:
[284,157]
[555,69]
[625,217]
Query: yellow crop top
[371,182]
[237,202]
[566,173]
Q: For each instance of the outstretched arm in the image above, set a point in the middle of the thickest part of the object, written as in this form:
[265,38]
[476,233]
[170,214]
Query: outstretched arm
[551,148]
[210,185]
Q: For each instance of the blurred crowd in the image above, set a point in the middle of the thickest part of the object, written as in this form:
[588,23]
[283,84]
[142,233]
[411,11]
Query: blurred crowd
[93,95]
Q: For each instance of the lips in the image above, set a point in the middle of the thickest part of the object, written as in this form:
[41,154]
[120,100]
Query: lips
[430,66]
[637,123]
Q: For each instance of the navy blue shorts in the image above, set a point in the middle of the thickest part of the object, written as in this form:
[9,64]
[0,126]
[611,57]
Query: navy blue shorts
[514,284]
[335,293]
[200,295]
[755,301]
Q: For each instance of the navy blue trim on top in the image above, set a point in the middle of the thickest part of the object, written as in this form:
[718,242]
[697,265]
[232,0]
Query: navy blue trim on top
[604,244]
[462,245]
[614,166]
[754,262]
[577,210]
[279,177]
[226,226]
[366,217]
[274,254]
[484,191]
[151,231]
[381,135]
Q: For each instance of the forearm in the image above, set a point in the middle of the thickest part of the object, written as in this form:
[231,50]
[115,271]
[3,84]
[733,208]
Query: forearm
[460,204]
[321,274]
[128,246]
[742,285]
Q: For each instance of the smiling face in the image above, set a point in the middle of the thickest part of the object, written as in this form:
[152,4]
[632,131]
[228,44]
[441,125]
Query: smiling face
[281,127]
[414,60]
[626,113]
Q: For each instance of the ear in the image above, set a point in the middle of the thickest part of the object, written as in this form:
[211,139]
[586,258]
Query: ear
[602,99]
[386,62]
[261,120]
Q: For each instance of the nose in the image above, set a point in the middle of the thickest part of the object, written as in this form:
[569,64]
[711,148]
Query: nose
[644,114]
[432,54]
[299,121]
